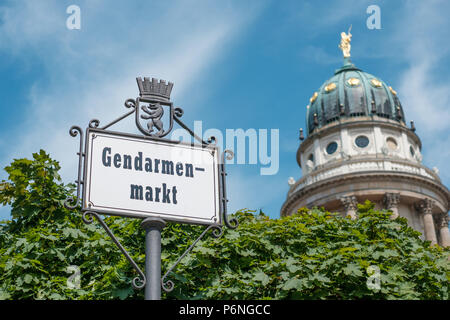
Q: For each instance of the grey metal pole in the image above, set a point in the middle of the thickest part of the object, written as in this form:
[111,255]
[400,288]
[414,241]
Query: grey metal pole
[153,227]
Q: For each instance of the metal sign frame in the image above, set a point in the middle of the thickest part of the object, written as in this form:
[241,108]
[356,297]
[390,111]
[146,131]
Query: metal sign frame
[213,149]
[155,94]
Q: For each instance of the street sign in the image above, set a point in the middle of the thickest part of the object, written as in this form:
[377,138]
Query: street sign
[135,176]
[151,178]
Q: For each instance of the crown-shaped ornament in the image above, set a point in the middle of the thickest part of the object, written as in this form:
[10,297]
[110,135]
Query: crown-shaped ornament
[154,89]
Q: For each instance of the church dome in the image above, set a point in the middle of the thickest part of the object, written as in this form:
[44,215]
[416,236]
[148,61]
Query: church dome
[358,148]
[351,93]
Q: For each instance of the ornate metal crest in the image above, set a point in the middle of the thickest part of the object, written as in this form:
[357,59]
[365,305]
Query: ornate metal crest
[154,98]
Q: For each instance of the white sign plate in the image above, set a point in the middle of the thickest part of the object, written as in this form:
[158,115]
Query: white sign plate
[128,175]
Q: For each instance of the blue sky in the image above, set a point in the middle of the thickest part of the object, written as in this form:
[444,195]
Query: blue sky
[235,64]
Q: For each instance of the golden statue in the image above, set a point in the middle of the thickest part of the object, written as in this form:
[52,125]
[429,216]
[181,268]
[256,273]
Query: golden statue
[345,43]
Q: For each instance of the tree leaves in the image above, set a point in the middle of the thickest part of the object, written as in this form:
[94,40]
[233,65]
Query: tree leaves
[260,276]
[28,278]
[353,269]
[314,254]
[293,283]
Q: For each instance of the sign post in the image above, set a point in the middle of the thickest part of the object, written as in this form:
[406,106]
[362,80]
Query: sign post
[153,227]
[151,178]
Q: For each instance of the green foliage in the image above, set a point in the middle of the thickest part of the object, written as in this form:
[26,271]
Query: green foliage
[44,238]
[318,255]
[311,255]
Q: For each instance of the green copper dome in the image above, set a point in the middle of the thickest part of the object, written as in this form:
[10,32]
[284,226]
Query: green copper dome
[352,93]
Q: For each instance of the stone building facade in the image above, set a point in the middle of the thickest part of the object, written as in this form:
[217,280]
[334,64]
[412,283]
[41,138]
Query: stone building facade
[358,147]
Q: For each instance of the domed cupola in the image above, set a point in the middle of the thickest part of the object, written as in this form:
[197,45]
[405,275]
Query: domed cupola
[352,92]
[358,148]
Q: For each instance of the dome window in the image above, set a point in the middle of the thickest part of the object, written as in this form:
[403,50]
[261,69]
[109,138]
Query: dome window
[376,83]
[412,151]
[391,143]
[362,141]
[330,87]
[353,82]
[393,91]
[332,147]
[310,162]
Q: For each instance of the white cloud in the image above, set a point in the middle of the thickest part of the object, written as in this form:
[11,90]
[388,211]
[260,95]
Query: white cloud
[29,24]
[423,87]
[92,71]
[425,98]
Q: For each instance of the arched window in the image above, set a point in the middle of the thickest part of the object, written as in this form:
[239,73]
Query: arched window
[362,141]
[391,143]
[332,147]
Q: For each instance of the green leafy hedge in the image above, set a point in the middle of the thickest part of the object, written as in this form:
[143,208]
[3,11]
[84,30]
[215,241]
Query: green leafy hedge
[311,255]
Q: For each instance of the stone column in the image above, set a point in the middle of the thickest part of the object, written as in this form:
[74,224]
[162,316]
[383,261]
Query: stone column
[442,226]
[391,201]
[425,207]
[350,205]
